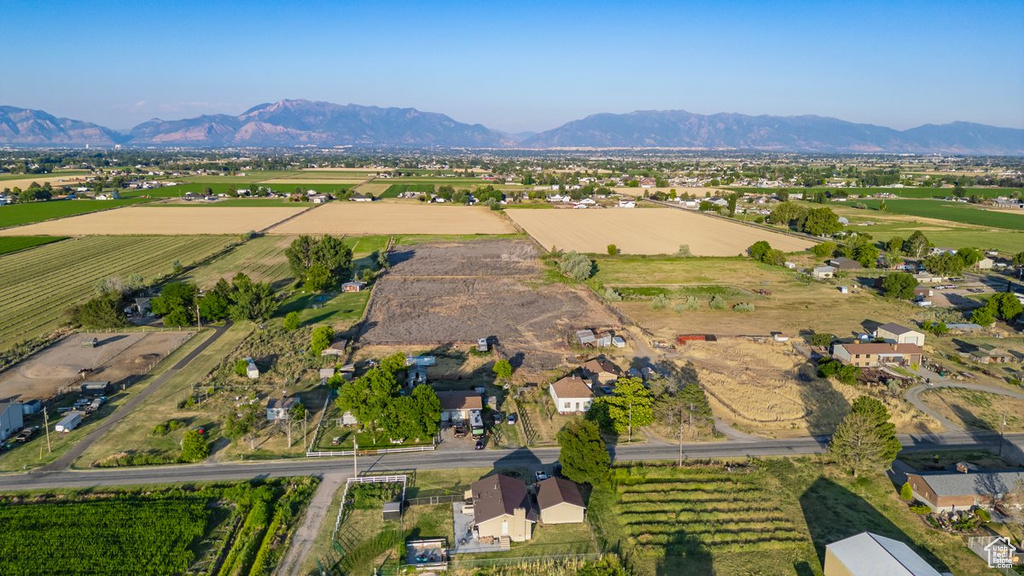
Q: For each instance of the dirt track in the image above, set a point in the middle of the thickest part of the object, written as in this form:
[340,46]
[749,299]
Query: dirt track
[118,356]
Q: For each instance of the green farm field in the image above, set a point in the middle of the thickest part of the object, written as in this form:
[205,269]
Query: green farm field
[901,192]
[262,259]
[395,189]
[9,244]
[953,212]
[758,517]
[18,214]
[42,283]
[160,530]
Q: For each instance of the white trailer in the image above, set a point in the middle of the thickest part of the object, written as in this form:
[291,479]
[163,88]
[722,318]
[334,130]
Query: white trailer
[69,422]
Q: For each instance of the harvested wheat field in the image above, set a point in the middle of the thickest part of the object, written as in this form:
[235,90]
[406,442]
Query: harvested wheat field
[159,221]
[395,218]
[761,388]
[646,231]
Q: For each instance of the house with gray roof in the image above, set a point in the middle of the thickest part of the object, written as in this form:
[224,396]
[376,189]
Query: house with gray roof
[948,491]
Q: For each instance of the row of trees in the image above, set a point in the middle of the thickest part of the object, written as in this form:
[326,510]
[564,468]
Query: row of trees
[1001,306]
[33,193]
[242,299]
[814,221]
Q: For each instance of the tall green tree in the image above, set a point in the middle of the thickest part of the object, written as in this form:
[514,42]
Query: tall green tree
[866,438]
[370,397]
[822,222]
[503,370]
[216,303]
[176,303]
[899,285]
[321,339]
[252,300]
[630,406]
[327,252]
[194,447]
[916,245]
[102,312]
[583,455]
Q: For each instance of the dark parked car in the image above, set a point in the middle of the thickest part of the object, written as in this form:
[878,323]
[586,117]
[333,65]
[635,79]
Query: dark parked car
[512,418]
[479,444]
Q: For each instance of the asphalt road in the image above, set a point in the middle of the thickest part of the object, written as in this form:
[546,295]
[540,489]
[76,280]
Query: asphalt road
[522,458]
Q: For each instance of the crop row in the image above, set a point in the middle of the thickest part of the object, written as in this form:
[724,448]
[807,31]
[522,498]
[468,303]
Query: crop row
[39,285]
[107,537]
[682,487]
[683,497]
[723,518]
[722,511]
[724,543]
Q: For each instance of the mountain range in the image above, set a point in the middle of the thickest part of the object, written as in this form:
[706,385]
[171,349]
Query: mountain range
[300,122]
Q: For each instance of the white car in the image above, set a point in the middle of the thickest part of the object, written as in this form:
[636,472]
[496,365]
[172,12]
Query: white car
[540,475]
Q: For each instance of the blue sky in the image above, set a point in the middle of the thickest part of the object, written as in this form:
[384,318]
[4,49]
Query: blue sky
[520,65]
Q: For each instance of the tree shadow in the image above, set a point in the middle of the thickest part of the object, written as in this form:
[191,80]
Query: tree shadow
[396,257]
[685,554]
[111,339]
[986,436]
[520,460]
[833,513]
[823,404]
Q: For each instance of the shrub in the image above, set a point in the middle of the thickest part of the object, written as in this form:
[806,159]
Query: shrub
[983,515]
[684,251]
[576,266]
[920,509]
[716,303]
[292,321]
[906,492]
[321,339]
[613,250]
[660,302]
[612,295]
[842,372]
[241,367]
[743,307]
[822,339]
[691,303]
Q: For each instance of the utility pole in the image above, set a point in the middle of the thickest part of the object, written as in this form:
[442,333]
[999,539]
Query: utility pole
[630,422]
[1002,429]
[355,458]
[199,321]
[46,426]
[680,436]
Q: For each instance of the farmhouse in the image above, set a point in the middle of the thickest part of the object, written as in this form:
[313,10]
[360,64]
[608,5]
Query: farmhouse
[989,354]
[502,509]
[822,272]
[601,372]
[870,355]
[927,278]
[897,334]
[353,286]
[560,502]
[10,419]
[571,395]
[280,408]
[948,491]
[456,404]
[870,554]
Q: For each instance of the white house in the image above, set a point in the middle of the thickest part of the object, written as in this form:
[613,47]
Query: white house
[627,204]
[571,395]
[985,263]
[456,404]
[897,334]
[278,409]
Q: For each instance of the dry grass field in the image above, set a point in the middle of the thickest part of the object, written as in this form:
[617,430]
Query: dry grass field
[393,218]
[645,231]
[977,410]
[757,387]
[159,221]
[55,181]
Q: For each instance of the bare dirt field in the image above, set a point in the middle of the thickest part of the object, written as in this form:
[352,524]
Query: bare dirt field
[758,388]
[456,293]
[159,221]
[394,218]
[118,356]
[646,231]
[55,181]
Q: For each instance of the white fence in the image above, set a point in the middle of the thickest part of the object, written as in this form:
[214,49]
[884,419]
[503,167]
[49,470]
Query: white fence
[374,452]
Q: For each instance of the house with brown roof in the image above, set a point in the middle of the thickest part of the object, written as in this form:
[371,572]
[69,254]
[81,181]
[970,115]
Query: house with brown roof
[873,354]
[456,404]
[502,509]
[560,502]
[892,332]
[601,372]
[571,395]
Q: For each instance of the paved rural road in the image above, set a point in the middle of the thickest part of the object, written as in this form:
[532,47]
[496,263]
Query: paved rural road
[913,395]
[78,449]
[522,457]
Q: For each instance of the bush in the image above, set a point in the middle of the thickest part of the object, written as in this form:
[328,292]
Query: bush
[613,250]
[684,251]
[194,447]
[321,339]
[292,321]
[842,372]
[743,307]
[822,339]
[576,266]
[920,509]
[660,302]
[716,303]
[983,515]
[906,492]
[241,367]
[691,303]
[612,295]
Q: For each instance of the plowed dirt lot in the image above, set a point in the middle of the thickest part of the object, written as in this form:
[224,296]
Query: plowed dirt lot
[646,231]
[455,293]
[116,357]
[159,221]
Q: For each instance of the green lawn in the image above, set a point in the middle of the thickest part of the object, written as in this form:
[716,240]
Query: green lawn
[952,211]
[19,214]
[341,310]
[10,244]
[395,189]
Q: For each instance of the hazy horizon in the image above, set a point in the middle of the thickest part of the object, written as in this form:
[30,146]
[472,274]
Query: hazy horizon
[526,67]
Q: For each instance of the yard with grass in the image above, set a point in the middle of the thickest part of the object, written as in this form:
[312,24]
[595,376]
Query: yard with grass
[765,517]
[976,410]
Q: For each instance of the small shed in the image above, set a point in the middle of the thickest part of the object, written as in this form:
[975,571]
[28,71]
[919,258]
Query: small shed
[392,511]
[326,373]
[482,345]
[251,370]
[337,348]
[353,286]
[279,408]
[618,342]
[31,407]
[585,337]
[603,339]
[844,289]
[822,272]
